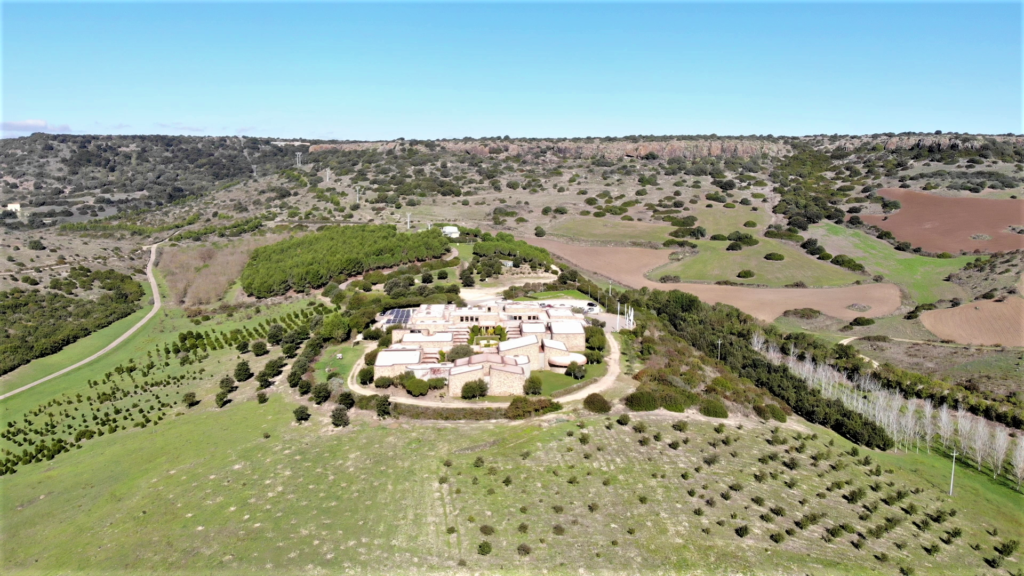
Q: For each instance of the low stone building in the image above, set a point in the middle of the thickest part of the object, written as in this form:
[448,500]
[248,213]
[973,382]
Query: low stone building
[528,346]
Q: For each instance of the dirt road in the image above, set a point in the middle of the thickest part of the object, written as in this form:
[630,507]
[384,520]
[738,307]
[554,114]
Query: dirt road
[121,338]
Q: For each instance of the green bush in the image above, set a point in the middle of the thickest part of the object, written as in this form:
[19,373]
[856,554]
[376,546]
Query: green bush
[365,375]
[750,224]
[321,393]
[642,401]
[522,407]
[713,407]
[259,348]
[734,247]
[745,274]
[774,257]
[242,371]
[861,321]
[484,548]
[533,385]
[416,387]
[339,417]
[474,389]
[346,399]
[597,403]
[301,414]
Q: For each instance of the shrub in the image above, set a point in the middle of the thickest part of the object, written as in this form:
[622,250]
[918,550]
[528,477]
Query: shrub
[533,385]
[321,393]
[524,549]
[558,529]
[474,389]
[642,401]
[575,371]
[861,321]
[416,387]
[301,414]
[346,399]
[259,348]
[713,407]
[745,274]
[774,257]
[222,399]
[339,417]
[484,548]
[459,352]
[486,529]
[623,420]
[680,426]
[742,531]
[750,224]
[734,247]
[522,407]
[242,371]
[189,399]
[304,387]
[597,404]
[261,397]
[366,375]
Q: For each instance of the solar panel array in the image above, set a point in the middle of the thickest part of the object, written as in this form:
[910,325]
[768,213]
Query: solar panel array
[398,316]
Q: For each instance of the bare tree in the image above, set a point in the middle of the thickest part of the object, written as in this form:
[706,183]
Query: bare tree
[979,442]
[945,425]
[1018,461]
[757,341]
[964,426]
[997,450]
[928,424]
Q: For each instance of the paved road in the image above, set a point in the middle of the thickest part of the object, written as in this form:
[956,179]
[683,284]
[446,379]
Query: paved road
[602,384]
[121,338]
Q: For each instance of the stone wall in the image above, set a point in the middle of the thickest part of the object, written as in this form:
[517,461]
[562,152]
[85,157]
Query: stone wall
[457,381]
[576,342]
[506,383]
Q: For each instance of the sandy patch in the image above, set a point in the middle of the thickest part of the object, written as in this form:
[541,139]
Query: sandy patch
[628,266]
[984,322]
[940,224]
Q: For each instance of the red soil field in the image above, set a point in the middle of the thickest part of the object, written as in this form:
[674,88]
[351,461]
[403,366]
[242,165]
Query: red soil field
[939,224]
[627,266]
[984,322]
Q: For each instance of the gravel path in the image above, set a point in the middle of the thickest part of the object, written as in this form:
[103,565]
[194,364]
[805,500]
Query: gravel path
[121,338]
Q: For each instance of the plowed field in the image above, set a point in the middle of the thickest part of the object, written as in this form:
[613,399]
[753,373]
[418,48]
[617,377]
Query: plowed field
[983,322]
[628,266]
[940,224]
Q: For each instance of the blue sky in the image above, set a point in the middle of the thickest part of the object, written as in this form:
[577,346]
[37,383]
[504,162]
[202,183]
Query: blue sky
[422,70]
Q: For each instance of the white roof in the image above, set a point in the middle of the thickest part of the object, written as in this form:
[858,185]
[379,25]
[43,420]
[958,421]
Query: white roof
[514,343]
[555,344]
[566,327]
[466,368]
[391,357]
[450,229]
[416,338]
[564,312]
[533,328]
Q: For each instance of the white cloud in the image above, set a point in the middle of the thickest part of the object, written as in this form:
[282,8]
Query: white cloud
[180,126]
[24,127]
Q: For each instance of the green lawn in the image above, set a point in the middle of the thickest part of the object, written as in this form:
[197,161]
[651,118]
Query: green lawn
[715,263]
[75,352]
[552,382]
[921,276]
[339,368]
[207,492]
[571,294]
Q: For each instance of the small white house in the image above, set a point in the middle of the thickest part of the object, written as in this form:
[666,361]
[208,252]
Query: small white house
[450,231]
[16,208]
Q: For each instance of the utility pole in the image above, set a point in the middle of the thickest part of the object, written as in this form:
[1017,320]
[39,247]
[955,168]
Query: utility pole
[328,175]
[617,306]
[298,159]
[953,473]
[408,220]
[719,349]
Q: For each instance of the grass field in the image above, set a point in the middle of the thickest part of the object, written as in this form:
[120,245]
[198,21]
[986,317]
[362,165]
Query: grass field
[715,263]
[570,294]
[75,352]
[552,382]
[609,229]
[207,492]
[922,277]
[338,368]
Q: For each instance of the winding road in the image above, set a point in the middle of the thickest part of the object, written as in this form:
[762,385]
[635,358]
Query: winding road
[121,338]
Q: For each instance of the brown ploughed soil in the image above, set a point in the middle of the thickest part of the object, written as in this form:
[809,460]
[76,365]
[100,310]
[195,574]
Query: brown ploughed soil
[628,265]
[939,224]
[981,322]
